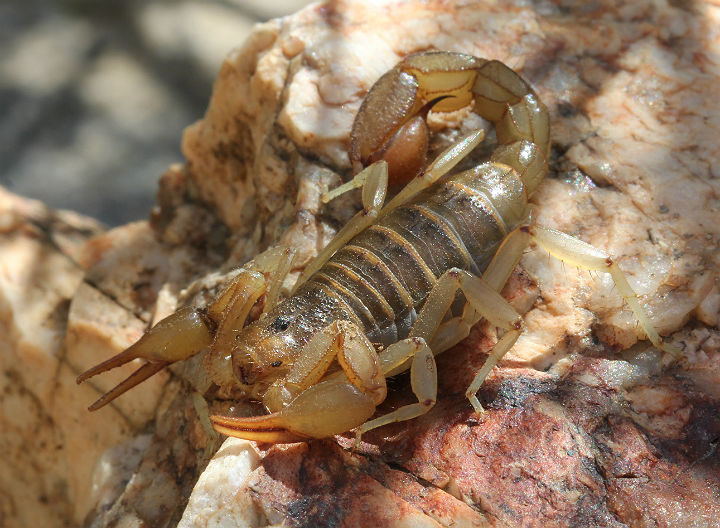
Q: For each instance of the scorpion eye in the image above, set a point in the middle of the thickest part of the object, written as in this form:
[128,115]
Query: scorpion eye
[280,324]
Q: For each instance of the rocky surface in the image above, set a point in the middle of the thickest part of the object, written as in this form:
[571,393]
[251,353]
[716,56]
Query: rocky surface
[586,424]
[47,458]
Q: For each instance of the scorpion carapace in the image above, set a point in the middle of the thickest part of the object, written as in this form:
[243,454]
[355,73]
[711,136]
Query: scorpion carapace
[377,300]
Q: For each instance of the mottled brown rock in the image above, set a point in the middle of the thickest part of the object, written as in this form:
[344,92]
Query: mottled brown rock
[47,459]
[586,424]
[623,103]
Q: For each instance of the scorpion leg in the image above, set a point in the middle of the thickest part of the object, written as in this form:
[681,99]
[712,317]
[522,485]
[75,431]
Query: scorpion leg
[308,407]
[278,261]
[374,181]
[496,275]
[423,380]
[581,254]
[485,300]
[231,308]
[443,164]
[559,245]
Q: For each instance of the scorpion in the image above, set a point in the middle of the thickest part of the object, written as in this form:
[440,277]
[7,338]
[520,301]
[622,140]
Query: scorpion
[378,300]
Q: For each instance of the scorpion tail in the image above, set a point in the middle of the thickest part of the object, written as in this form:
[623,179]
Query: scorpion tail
[178,336]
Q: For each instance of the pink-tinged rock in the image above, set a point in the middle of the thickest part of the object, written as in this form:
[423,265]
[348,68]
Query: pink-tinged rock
[585,423]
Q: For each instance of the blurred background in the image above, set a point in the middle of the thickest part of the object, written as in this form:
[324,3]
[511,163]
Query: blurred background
[94,96]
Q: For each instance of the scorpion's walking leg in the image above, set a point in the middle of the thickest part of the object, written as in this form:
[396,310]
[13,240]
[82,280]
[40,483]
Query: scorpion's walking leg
[374,182]
[561,246]
[496,275]
[190,330]
[443,164]
[484,299]
[581,254]
[423,380]
[277,261]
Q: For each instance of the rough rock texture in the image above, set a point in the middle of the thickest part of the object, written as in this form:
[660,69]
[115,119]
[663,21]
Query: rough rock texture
[47,458]
[585,425]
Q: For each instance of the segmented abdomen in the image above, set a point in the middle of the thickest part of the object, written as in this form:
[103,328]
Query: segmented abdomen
[384,274]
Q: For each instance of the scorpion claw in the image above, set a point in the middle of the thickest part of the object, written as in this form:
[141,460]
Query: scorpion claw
[118,360]
[323,410]
[140,375]
[178,336]
[271,428]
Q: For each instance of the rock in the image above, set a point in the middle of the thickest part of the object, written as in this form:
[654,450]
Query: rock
[618,100]
[48,458]
[585,423]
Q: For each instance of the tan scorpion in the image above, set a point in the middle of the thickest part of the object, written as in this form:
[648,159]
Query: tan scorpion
[375,302]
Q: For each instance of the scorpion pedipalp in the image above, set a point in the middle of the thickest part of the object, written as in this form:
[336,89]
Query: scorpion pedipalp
[179,336]
[183,334]
[325,409]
